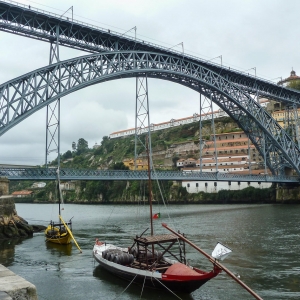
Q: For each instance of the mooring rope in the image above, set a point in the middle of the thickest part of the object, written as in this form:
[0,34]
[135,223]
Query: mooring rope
[126,287]
[167,289]
[143,287]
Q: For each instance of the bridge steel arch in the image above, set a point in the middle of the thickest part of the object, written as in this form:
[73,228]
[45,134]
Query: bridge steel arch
[45,26]
[24,95]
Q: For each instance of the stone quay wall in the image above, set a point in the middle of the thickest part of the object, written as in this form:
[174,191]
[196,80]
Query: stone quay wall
[14,287]
[4,186]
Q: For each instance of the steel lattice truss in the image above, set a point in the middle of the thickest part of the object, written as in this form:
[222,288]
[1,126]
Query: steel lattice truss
[46,26]
[21,97]
[79,174]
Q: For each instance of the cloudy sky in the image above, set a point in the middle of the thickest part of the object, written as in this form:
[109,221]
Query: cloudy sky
[247,33]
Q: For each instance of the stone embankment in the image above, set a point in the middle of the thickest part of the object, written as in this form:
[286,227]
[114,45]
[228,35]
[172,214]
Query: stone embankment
[12,225]
[14,287]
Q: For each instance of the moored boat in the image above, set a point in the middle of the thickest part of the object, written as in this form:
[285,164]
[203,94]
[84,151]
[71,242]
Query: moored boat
[60,232]
[156,261]
[57,233]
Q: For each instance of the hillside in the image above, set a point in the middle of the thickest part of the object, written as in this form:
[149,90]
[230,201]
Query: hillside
[164,143]
[168,146]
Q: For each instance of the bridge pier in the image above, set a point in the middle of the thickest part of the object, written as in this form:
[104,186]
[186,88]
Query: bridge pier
[288,194]
[4,186]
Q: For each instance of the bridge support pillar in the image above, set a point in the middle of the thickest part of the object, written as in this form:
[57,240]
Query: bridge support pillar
[288,194]
[4,186]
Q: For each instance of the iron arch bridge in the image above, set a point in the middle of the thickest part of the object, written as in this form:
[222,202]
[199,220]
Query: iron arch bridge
[24,95]
[233,90]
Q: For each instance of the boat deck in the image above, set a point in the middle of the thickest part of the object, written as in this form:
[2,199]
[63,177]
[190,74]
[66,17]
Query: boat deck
[156,239]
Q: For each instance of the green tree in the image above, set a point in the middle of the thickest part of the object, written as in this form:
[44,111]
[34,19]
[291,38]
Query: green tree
[295,84]
[82,146]
[119,166]
[104,139]
[67,155]
[174,160]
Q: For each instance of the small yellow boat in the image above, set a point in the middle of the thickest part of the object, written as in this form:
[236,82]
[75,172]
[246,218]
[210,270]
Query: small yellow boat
[61,232]
[57,233]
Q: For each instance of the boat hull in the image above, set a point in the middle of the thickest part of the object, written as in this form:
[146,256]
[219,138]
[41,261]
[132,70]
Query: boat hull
[53,235]
[152,279]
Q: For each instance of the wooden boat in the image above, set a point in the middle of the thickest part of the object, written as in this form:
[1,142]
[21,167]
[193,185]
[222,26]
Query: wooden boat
[60,232]
[162,268]
[57,233]
[156,261]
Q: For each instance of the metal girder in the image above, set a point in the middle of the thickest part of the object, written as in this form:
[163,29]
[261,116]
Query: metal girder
[21,97]
[206,109]
[79,174]
[142,119]
[38,24]
[53,112]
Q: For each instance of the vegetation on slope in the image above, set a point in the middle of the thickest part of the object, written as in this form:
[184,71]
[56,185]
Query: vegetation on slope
[110,154]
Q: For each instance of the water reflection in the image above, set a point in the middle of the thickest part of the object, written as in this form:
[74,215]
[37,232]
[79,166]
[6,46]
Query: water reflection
[58,250]
[264,240]
[7,250]
[134,291]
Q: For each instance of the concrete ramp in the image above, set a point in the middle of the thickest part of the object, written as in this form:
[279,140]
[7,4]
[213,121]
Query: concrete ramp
[13,286]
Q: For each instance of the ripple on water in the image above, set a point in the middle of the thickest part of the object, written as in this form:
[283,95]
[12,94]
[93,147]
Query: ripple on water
[264,240]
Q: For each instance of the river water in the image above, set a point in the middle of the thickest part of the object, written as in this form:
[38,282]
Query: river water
[264,240]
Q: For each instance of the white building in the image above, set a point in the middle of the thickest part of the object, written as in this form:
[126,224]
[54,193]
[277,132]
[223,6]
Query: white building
[216,186]
[172,123]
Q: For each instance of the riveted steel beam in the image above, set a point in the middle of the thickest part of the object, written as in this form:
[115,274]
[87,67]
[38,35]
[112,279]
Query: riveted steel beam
[41,25]
[82,174]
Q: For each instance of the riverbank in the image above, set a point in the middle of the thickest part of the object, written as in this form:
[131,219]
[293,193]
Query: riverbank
[14,287]
[11,224]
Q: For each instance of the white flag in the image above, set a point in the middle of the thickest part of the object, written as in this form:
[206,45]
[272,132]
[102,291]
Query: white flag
[221,252]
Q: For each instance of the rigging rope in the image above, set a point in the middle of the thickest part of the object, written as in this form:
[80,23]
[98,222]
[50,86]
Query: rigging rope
[165,205]
[167,288]
[143,287]
[126,287]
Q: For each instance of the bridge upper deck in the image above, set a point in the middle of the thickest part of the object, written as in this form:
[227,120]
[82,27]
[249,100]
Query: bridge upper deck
[38,24]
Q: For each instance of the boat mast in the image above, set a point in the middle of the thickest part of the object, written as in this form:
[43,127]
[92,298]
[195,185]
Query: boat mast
[149,183]
[58,190]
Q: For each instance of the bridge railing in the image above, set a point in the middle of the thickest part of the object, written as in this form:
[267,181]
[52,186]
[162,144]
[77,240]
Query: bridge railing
[87,174]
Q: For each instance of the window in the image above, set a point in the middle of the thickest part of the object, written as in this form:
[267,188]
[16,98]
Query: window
[197,184]
[205,184]
[188,185]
